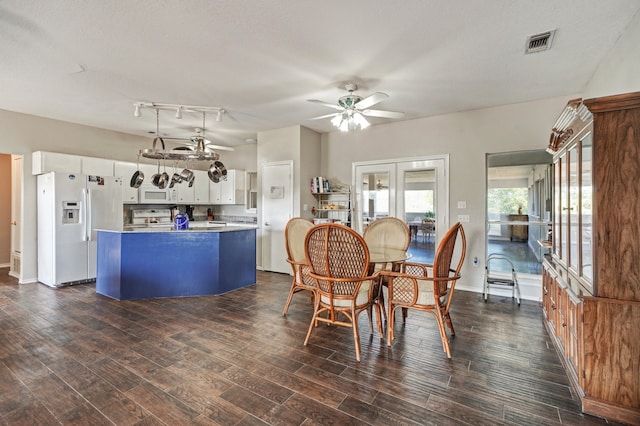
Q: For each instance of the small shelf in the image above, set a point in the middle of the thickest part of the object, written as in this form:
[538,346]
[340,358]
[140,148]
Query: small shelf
[334,206]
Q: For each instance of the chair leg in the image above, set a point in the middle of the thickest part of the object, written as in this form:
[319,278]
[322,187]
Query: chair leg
[379,310]
[447,318]
[443,334]
[314,321]
[390,322]
[356,336]
[289,298]
[381,298]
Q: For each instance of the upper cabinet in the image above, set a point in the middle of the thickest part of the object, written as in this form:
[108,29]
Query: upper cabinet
[198,193]
[251,181]
[125,171]
[44,162]
[229,191]
[97,166]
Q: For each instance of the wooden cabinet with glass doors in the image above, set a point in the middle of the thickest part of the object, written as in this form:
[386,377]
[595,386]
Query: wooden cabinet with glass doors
[591,283]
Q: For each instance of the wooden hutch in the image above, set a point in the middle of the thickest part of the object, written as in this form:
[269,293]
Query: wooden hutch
[591,281]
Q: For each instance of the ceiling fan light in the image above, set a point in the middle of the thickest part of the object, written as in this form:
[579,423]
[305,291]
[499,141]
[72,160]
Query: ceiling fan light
[360,121]
[179,113]
[219,116]
[336,120]
[345,125]
[136,110]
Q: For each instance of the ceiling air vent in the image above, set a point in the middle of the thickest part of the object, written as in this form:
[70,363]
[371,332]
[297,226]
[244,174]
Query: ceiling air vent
[539,42]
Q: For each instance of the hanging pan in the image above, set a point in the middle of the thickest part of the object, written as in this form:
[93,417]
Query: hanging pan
[138,176]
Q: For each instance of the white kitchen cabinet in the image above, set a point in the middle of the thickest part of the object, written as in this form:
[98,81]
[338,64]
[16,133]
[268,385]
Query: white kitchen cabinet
[196,194]
[97,166]
[185,193]
[44,162]
[201,185]
[125,171]
[230,191]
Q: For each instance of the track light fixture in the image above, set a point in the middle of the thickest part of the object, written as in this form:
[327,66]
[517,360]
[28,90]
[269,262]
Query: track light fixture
[179,109]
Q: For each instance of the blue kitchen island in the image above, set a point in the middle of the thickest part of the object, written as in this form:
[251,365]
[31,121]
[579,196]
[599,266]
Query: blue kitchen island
[150,263]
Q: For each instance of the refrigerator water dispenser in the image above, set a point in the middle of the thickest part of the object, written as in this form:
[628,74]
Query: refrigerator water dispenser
[70,212]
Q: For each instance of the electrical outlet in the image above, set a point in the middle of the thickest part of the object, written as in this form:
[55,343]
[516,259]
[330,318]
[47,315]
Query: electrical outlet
[462,204]
[463,218]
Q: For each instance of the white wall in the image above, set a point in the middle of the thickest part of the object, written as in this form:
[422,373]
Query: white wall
[619,70]
[466,137]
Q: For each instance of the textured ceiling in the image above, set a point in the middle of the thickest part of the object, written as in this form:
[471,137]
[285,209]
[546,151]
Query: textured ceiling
[87,61]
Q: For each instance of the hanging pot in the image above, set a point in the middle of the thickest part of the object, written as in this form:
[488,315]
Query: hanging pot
[186,175]
[138,176]
[164,177]
[214,172]
[222,168]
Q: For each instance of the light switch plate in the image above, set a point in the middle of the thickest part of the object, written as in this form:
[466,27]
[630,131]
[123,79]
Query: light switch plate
[462,204]
[463,218]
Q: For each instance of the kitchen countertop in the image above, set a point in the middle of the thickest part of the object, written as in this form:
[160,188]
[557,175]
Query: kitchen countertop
[203,226]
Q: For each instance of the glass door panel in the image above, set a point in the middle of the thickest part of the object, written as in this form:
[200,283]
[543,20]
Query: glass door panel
[572,213]
[556,234]
[374,194]
[585,210]
[564,228]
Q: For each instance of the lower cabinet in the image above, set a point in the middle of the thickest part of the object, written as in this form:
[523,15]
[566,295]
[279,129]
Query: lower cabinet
[597,343]
[562,311]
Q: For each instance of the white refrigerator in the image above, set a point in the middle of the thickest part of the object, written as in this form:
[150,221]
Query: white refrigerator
[70,209]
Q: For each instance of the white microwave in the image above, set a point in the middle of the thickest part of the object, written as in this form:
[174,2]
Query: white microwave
[149,194]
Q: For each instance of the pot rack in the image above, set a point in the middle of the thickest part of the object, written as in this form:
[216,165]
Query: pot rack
[199,152]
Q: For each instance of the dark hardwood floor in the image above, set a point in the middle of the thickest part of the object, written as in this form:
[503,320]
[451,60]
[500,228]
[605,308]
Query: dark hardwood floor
[69,356]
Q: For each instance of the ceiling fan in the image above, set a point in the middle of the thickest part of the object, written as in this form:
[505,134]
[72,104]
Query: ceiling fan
[353,108]
[198,140]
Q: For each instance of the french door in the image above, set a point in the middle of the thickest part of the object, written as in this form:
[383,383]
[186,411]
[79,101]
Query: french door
[409,189]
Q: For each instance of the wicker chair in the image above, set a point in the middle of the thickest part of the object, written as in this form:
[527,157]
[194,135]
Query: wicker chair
[294,234]
[339,261]
[428,288]
[389,232]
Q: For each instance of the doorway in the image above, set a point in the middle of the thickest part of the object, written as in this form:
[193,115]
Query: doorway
[519,208]
[414,190]
[277,209]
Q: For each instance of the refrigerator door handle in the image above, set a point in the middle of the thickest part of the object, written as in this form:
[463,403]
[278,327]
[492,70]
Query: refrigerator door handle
[87,210]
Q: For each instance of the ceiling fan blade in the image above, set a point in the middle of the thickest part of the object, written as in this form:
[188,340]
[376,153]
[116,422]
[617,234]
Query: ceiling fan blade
[327,104]
[371,100]
[325,116]
[219,147]
[383,114]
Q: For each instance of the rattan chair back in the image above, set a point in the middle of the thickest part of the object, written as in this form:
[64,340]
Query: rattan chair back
[294,236]
[390,232]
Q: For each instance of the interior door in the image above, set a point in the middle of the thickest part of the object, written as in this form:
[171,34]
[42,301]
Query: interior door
[16,204]
[277,209]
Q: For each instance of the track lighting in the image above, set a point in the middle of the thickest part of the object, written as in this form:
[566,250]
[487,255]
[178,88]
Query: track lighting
[179,109]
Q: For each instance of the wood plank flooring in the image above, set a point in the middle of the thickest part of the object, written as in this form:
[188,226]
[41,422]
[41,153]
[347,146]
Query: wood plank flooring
[70,356]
